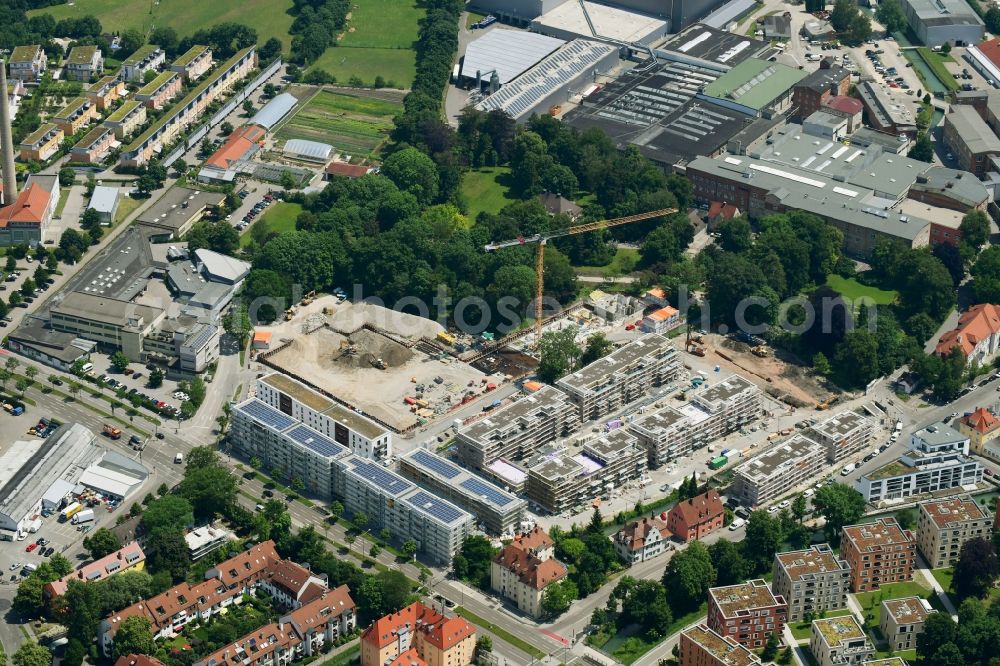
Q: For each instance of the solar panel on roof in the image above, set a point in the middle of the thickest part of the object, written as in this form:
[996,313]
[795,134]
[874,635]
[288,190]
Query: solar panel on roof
[487,491]
[382,478]
[264,413]
[436,464]
[315,441]
[434,506]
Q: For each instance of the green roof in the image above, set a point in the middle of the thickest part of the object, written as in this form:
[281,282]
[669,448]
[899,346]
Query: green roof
[187,99]
[24,53]
[35,136]
[895,468]
[71,108]
[190,55]
[160,79]
[92,136]
[755,83]
[140,54]
[81,55]
[102,83]
[122,111]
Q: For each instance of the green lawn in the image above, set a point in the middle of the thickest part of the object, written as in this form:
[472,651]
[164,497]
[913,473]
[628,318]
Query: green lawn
[126,206]
[943,577]
[353,123]
[63,196]
[871,602]
[852,289]
[623,263]
[483,191]
[626,648]
[279,218]
[269,17]
[935,61]
[396,65]
[502,634]
[802,631]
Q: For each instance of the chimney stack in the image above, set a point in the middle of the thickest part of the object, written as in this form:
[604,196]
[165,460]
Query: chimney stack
[6,142]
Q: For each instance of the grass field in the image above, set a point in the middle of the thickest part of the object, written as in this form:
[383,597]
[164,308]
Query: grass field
[623,264]
[279,218]
[483,191]
[126,206]
[935,61]
[943,577]
[268,17]
[352,123]
[871,602]
[852,289]
[393,65]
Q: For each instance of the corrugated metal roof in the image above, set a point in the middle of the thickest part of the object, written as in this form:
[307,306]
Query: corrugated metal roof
[274,111]
[509,52]
[310,149]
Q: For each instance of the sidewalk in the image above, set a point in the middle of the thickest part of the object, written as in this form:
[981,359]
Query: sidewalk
[942,595]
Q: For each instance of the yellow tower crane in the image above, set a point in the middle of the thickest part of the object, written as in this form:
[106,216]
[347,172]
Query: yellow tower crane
[542,239]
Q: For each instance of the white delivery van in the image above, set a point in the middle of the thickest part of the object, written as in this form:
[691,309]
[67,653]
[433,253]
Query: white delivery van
[178,458]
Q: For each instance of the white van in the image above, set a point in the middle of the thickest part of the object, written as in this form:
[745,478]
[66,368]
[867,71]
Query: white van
[86,367]
[847,469]
[178,458]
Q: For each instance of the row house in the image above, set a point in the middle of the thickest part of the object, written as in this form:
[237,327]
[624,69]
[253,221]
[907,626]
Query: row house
[126,119]
[105,92]
[193,63]
[75,116]
[148,58]
[94,146]
[160,91]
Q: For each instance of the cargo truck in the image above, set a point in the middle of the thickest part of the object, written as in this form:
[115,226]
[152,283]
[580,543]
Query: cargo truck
[70,511]
[718,462]
[112,432]
[85,516]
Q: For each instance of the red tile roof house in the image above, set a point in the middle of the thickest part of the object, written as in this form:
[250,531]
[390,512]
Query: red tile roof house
[977,334]
[642,540]
[138,660]
[696,517]
[418,635]
[521,571]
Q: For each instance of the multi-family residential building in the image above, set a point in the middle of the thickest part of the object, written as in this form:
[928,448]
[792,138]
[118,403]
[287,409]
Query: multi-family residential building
[292,585]
[128,558]
[971,140]
[83,63]
[945,525]
[844,435]
[811,581]
[982,427]
[406,510]
[700,646]
[41,144]
[189,109]
[126,119]
[498,511]
[696,517]
[299,634]
[902,621]
[193,63]
[160,91]
[94,146]
[206,539]
[524,568]
[712,412]
[977,334]
[937,459]
[147,58]
[75,116]
[418,635]
[838,641]
[105,92]
[347,428]
[516,430]
[642,540]
[621,377]
[561,477]
[748,612]
[775,472]
[889,661]
[27,62]
[879,552]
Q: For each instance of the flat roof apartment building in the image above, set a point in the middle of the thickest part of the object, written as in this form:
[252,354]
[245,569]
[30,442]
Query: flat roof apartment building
[775,472]
[812,580]
[193,63]
[347,428]
[700,646]
[105,92]
[748,612]
[944,526]
[75,115]
[41,144]
[126,119]
[712,412]
[83,63]
[497,510]
[879,552]
[838,641]
[902,621]
[94,146]
[160,91]
[27,62]
[517,430]
[560,477]
[844,435]
[148,58]
[621,377]
[406,510]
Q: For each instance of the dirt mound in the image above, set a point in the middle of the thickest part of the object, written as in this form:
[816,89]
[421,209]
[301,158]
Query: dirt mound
[366,346]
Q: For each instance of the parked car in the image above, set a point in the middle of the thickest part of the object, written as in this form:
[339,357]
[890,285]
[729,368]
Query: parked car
[737,524]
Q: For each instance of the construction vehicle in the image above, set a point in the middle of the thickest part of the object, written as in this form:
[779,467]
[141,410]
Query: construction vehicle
[378,363]
[542,239]
[111,431]
[308,298]
[718,462]
[446,337]
[289,313]
[696,350]
[760,350]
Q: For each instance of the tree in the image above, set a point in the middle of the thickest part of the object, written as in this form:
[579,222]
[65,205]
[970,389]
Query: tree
[922,148]
[992,19]
[857,358]
[130,41]
[360,520]
[821,365]
[67,176]
[248,107]
[119,361]
[134,637]
[799,507]
[598,346]
[31,654]
[287,180]
[890,14]
[413,171]
[271,49]
[180,165]
[410,548]
[770,650]
[146,184]
[155,378]
[484,644]
[946,48]
[860,29]
[226,128]
[473,561]
[842,14]
[730,565]
[735,235]
[558,597]
[166,551]
[558,354]
[211,490]
[975,230]
[763,536]
[169,513]
[688,576]
[102,542]
[907,518]
[977,569]
[840,505]
[236,322]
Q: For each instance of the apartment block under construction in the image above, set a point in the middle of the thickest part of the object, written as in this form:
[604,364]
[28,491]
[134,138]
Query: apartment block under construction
[712,412]
[561,478]
[844,435]
[621,377]
[517,430]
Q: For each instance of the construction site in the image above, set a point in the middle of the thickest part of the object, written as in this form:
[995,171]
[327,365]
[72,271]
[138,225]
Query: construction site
[386,364]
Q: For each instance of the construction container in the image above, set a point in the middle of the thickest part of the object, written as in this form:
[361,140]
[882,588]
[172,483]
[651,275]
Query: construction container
[718,462]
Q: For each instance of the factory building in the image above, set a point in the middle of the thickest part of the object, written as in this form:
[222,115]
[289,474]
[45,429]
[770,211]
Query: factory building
[590,20]
[935,22]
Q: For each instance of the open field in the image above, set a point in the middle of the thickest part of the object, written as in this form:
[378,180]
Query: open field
[269,18]
[852,289]
[352,123]
[483,191]
[126,206]
[623,263]
[279,218]
[397,66]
